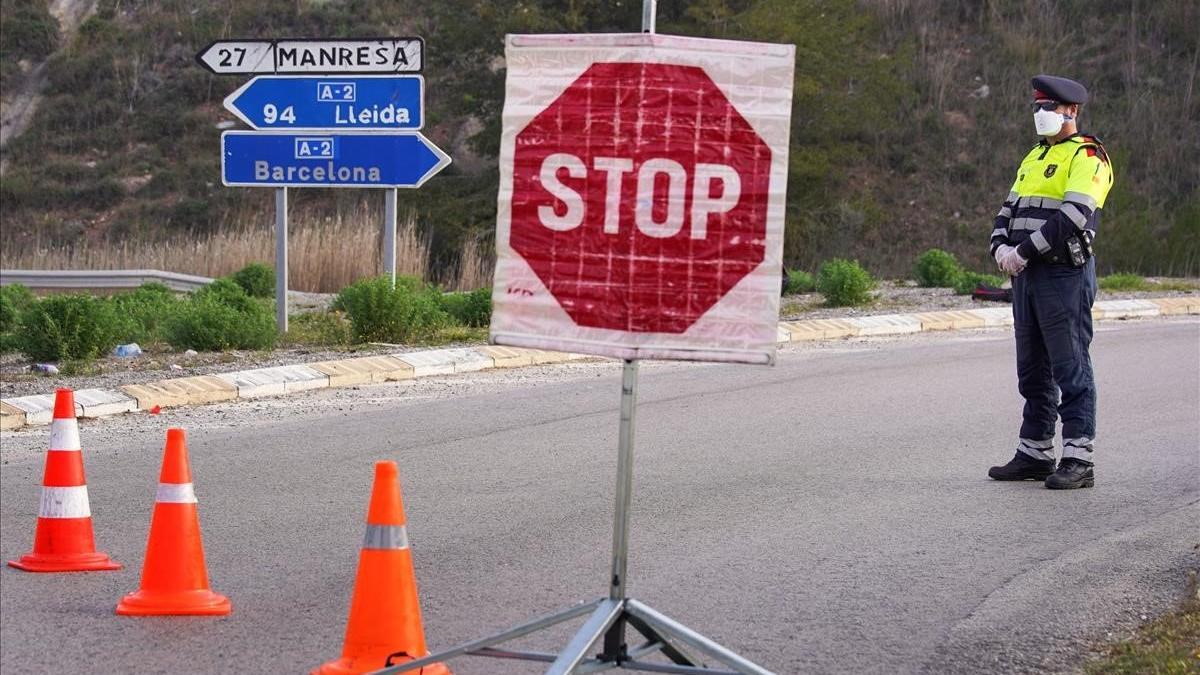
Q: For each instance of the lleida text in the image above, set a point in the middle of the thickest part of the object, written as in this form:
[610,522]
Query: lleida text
[389,114]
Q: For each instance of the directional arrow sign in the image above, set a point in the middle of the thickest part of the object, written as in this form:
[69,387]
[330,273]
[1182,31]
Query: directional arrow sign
[370,160]
[371,55]
[227,57]
[349,103]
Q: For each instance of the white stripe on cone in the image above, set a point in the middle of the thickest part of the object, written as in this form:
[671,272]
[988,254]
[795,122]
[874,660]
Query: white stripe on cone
[175,493]
[64,502]
[64,435]
[386,537]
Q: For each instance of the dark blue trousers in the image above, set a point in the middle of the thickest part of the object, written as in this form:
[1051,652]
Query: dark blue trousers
[1052,315]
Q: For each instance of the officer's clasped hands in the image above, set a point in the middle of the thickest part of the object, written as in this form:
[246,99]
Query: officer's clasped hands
[1013,263]
[1001,251]
[1009,261]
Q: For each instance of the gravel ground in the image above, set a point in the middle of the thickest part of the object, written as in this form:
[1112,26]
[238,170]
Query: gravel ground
[16,379]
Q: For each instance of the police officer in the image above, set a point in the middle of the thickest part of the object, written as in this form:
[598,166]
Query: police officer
[1042,237]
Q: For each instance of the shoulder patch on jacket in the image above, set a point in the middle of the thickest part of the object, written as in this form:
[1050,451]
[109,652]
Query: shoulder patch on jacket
[1094,149]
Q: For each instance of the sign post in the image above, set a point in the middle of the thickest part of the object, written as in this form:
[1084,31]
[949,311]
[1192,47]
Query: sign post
[326,113]
[389,235]
[281,259]
[640,216]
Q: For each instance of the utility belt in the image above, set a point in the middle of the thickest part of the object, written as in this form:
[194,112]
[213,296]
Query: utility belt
[1077,251]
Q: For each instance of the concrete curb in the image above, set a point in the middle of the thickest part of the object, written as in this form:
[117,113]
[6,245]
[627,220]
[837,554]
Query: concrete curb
[279,380]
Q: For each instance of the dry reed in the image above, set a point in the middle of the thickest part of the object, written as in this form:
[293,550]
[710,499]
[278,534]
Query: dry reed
[476,265]
[325,253]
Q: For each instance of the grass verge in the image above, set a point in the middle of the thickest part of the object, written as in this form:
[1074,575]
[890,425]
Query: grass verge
[455,334]
[1171,285]
[1132,282]
[1169,645]
[1123,282]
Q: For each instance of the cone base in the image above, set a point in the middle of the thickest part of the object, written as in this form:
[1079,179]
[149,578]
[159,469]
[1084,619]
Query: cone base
[179,603]
[349,665]
[65,562]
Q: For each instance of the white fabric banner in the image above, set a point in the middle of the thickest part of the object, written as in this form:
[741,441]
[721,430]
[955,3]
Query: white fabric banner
[641,202]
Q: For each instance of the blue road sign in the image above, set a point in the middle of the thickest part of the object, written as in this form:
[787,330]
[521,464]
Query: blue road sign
[344,103]
[369,160]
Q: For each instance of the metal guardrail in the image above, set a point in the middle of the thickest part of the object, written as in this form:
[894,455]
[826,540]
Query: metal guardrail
[101,279]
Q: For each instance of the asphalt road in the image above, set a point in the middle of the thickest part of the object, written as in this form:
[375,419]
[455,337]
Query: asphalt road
[828,515]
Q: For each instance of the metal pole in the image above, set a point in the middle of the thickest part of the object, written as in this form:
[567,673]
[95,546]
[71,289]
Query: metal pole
[281,260]
[649,12]
[620,557]
[614,638]
[389,235]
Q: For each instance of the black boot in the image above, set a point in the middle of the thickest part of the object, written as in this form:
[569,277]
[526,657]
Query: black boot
[1072,473]
[1023,467]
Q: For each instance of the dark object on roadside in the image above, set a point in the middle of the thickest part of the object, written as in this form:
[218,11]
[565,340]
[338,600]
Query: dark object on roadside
[991,293]
[1072,473]
[1022,467]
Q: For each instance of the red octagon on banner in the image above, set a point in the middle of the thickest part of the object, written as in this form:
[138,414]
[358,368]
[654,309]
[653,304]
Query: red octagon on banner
[640,197]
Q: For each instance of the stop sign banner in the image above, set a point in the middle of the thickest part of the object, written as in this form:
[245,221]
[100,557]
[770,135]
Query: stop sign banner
[641,200]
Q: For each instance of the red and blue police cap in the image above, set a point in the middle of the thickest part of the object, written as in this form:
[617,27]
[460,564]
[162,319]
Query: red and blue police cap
[1058,89]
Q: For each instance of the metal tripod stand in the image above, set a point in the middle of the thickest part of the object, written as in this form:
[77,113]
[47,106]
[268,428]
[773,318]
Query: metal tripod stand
[609,618]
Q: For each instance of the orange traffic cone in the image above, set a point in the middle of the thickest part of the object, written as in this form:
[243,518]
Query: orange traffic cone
[174,579]
[63,541]
[385,615]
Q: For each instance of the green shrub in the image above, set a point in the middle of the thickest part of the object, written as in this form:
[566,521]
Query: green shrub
[844,283]
[145,312]
[227,292]
[319,329]
[257,279]
[221,316]
[100,194]
[192,214]
[938,269]
[473,309]
[30,31]
[380,313]
[799,282]
[1123,282]
[206,323]
[967,281]
[14,299]
[68,328]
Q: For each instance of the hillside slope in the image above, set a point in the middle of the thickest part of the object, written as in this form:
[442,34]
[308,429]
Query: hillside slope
[23,90]
[909,116]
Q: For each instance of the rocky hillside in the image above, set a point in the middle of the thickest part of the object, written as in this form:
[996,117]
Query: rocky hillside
[909,114]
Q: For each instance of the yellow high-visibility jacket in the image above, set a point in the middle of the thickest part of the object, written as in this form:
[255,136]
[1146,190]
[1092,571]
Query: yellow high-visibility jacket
[1059,190]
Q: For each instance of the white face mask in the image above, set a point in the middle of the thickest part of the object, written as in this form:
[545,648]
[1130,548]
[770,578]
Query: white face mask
[1049,122]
